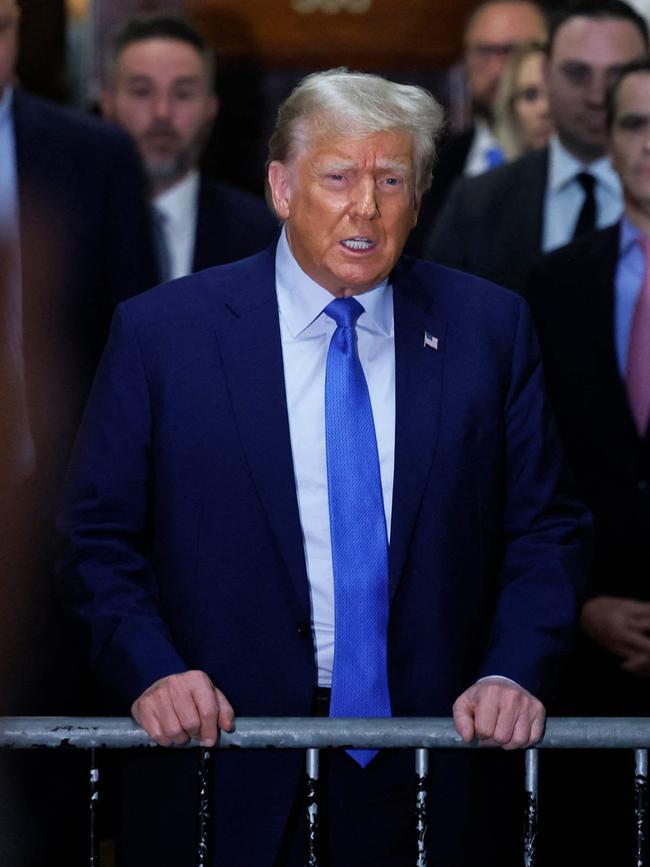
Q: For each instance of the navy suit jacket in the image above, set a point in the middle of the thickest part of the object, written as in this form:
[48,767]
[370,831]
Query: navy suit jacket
[491,225]
[230,225]
[184,541]
[572,297]
[85,246]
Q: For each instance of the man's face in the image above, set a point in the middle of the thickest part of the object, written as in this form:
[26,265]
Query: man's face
[490,39]
[629,143]
[9,15]
[349,205]
[586,57]
[160,94]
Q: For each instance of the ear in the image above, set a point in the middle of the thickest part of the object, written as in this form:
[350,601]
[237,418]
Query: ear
[280,186]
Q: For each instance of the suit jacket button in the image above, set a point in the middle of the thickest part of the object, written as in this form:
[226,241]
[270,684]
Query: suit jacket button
[303,629]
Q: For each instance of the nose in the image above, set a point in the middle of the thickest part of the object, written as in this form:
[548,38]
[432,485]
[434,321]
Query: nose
[543,106]
[365,199]
[161,105]
[596,90]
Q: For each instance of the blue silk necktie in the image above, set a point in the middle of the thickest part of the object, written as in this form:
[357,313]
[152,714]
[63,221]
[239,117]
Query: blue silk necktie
[358,531]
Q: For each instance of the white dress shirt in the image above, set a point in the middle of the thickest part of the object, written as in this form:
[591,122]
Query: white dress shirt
[306,332]
[564,195]
[483,142]
[179,205]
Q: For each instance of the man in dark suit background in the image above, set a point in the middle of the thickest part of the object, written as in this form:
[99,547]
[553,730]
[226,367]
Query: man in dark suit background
[76,240]
[160,88]
[497,225]
[227,493]
[494,29]
[588,302]
[74,235]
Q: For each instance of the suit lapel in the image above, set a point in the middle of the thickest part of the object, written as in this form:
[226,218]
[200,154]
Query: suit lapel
[248,337]
[533,219]
[205,241]
[528,234]
[603,309]
[418,383]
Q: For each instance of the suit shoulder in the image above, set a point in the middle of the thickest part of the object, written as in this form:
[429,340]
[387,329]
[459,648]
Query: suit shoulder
[491,185]
[192,297]
[572,270]
[57,122]
[586,251]
[461,290]
[239,201]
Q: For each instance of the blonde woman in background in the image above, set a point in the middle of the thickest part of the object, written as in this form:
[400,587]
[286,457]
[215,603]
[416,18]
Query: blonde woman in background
[522,116]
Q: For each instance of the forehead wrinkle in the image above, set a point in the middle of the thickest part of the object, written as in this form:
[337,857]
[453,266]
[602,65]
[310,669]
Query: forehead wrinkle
[380,165]
[146,77]
[337,165]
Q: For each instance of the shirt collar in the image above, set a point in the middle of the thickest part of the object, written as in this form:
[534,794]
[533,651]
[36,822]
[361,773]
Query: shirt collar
[563,167]
[483,135]
[301,300]
[179,200]
[5,105]
[628,238]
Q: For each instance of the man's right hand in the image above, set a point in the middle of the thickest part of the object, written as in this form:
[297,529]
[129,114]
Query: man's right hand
[183,706]
[621,626]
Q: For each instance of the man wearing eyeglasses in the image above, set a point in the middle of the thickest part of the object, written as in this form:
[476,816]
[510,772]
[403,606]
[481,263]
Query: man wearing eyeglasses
[498,224]
[492,31]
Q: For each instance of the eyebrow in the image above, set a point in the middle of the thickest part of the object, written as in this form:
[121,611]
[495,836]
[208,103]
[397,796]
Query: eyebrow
[384,166]
[144,78]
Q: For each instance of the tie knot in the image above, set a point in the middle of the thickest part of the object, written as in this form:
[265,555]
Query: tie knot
[587,182]
[344,311]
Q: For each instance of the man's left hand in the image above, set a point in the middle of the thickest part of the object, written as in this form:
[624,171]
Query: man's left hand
[499,714]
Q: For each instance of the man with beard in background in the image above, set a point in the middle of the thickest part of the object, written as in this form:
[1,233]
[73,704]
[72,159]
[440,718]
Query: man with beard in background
[160,89]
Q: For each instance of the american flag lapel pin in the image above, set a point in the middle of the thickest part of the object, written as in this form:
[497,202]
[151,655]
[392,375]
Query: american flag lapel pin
[430,340]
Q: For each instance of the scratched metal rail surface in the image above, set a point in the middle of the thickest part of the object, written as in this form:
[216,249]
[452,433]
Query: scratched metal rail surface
[313,734]
[304,733]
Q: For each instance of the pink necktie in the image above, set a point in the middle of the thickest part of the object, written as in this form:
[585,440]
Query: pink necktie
[638,354]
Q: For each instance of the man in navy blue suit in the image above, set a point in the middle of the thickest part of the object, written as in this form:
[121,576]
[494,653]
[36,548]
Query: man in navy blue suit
[160,89]
[211,535]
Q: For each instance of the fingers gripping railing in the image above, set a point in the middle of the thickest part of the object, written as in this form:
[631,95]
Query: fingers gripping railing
[313,735]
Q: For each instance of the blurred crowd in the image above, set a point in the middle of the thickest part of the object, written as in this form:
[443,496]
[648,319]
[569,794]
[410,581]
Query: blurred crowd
[547,193]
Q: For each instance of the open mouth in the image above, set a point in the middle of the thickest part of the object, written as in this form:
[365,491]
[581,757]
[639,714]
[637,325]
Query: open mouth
[358,245]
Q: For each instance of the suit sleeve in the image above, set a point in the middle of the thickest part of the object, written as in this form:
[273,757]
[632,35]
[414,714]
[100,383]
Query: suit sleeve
[110,579]
[546,535]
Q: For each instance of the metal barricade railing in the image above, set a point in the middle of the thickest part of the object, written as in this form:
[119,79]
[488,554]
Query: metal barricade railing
[312,735]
